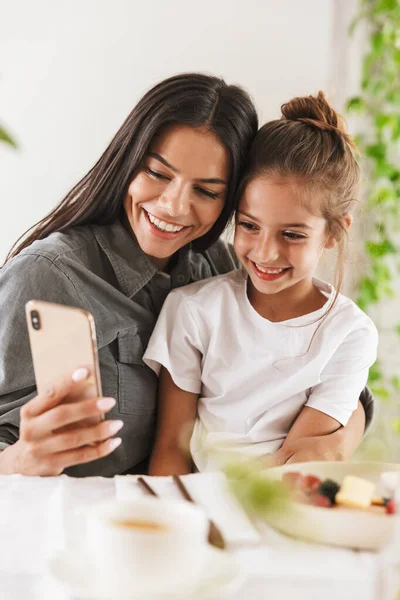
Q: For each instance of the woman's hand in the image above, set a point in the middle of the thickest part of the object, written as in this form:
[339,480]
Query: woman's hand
[42,449]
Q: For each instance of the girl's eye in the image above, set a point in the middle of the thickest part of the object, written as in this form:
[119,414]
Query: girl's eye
[207,193]
[156,174]
[292,236]
[247,226]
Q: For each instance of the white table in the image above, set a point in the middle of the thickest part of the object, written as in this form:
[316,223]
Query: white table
[39,516]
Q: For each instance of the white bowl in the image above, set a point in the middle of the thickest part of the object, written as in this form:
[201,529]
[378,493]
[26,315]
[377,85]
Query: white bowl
[349,528]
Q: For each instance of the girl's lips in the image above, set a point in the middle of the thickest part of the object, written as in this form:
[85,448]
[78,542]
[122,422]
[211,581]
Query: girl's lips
[268,276]
[164,235]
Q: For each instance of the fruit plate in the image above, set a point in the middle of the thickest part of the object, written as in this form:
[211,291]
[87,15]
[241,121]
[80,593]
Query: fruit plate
[346,527]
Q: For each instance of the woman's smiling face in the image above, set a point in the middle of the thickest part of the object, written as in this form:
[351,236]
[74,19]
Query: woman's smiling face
[179,192]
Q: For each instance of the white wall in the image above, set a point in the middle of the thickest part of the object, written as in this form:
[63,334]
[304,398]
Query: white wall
[71,71]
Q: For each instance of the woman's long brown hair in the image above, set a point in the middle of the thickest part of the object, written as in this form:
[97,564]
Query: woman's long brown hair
[192,99]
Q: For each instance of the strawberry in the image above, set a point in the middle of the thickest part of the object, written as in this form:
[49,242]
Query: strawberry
[310,483]
[322,501]
[390,507]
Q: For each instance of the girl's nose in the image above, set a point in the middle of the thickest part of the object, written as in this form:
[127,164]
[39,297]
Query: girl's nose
[267,251]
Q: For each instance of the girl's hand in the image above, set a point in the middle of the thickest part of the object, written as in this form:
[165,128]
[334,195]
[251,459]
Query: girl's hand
[42,449]
[338,445]
[324,447]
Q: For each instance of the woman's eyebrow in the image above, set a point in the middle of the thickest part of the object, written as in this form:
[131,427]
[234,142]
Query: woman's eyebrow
[162,160]
[175,170]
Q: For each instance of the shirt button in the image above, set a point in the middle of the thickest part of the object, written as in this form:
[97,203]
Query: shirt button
[181,278]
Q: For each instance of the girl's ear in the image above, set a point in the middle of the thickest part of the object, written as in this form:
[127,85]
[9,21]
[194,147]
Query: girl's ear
[348,220]
[331,241]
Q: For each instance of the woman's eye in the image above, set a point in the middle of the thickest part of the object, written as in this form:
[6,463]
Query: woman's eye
[156,174]
[207,193]
[291,235]
[247,226]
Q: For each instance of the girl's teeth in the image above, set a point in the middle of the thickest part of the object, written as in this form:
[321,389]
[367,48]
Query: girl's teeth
[163,226]
[269,271]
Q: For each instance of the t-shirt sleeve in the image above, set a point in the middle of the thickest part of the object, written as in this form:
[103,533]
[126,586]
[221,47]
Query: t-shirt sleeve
[176,345]
[346,374]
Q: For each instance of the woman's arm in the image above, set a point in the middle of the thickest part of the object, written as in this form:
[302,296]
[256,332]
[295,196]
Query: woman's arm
[30,439]
[177,411]
[310,437]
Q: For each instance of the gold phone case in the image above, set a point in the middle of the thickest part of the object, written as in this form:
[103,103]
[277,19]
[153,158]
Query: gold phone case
[62,339]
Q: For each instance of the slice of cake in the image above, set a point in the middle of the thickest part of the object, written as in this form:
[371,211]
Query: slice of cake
[355,492]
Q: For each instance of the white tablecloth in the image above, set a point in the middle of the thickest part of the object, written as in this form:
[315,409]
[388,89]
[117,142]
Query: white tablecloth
[41,516]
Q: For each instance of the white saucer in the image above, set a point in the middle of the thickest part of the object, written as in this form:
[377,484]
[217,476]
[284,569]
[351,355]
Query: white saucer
[221,577]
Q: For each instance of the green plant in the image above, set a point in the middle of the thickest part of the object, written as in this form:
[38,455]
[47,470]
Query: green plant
[5,138]
[378,105]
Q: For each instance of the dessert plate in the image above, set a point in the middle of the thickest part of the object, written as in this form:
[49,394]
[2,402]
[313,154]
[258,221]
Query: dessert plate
[346,527]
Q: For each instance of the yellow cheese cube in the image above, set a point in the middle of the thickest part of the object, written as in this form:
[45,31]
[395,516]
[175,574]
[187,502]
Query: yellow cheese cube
[355,492]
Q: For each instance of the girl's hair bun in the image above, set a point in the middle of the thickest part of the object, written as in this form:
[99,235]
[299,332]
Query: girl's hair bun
[317,112]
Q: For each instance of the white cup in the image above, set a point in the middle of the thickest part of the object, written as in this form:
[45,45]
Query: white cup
[129,556]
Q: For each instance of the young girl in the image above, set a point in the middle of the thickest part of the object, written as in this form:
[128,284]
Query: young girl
[264,356]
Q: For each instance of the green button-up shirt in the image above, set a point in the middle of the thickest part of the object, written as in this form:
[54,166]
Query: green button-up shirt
[103,270]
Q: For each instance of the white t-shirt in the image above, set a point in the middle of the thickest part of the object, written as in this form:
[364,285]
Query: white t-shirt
[254,376]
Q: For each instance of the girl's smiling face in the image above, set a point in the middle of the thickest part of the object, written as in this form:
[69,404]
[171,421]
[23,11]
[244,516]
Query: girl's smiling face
[277,240]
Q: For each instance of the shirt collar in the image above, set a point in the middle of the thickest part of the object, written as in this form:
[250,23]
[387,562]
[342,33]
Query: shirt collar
[133,269]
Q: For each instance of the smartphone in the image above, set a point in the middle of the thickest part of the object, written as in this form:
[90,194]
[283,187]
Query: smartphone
[62,339]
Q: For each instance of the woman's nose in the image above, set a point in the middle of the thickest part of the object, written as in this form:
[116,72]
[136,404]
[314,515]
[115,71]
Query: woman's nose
[175,201]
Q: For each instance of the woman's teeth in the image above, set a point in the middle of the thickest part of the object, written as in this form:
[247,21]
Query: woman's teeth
[163,226]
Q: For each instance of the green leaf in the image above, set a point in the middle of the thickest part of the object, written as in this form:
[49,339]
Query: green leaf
[395,381]
[397,329]
[381,248]
[396,424]
[6,138]
[367,291]
[383,195]
[355,104]
[382,120]
[385,5]
[377,151]
[375,376]
[385,170]
[377,42]
[382,392]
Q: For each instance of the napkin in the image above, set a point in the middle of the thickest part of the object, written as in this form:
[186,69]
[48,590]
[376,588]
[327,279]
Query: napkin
[209,490]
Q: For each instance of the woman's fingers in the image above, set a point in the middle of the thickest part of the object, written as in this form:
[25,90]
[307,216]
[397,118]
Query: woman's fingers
[56,463]
[76,438]
[64,414]
[44,402]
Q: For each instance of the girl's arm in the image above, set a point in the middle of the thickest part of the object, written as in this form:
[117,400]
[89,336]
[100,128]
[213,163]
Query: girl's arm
[177,411]
[316,436]
[317,433]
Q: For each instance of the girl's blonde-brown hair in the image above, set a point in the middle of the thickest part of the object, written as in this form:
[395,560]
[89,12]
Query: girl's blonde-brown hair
[310,145]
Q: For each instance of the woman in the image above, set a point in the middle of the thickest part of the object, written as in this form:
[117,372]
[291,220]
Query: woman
[145,219]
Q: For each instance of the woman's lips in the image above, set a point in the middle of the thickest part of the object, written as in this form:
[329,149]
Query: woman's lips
[269,273]
[160,233]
